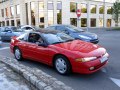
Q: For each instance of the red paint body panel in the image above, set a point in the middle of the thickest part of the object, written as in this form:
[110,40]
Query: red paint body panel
[72,50]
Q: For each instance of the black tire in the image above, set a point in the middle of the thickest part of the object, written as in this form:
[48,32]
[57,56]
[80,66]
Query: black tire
[18,51]
[66,62]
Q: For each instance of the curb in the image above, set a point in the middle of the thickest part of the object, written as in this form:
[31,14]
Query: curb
[36,77]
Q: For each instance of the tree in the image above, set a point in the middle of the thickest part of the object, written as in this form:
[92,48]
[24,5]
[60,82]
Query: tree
[116,12]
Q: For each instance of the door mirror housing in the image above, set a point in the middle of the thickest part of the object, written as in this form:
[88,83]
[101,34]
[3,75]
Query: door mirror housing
[66,31]
[9,31]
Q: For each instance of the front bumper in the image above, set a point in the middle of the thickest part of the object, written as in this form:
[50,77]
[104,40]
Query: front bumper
[84,67]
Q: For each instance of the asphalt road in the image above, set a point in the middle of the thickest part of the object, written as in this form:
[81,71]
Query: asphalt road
[106,79]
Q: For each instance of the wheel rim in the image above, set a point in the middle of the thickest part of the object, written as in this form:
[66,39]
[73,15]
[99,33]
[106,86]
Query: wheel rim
[17,54]
[61,65]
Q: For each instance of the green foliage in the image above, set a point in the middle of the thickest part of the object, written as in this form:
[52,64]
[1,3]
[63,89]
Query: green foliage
[93,10]
[84,10]
[101,10]
[116,12]
[73,7]
[59,17]
[109,11]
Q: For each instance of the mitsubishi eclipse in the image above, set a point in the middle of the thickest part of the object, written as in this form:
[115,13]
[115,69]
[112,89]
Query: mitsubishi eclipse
[60,51]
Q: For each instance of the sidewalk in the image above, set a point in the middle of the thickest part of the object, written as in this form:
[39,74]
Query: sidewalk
[10,80]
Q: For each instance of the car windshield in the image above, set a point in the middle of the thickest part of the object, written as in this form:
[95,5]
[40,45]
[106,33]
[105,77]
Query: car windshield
[54,38]
[36,28]
[74,29]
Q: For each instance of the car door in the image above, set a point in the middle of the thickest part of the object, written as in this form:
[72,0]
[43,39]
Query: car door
[35,52]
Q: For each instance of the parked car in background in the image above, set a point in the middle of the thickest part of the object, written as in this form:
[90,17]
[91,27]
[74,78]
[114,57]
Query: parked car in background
[76,32]
[9,31]
[60,50]
[28,28]
[0,41]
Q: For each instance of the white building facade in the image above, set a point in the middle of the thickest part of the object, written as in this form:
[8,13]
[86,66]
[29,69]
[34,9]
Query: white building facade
[47,12]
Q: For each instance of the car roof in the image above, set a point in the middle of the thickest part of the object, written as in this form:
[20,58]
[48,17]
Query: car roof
[45,31]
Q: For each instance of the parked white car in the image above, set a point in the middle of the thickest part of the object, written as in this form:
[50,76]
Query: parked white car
[27,28]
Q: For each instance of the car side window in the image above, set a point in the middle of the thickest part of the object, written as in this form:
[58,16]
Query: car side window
[52,28]
[7,30]
[61,28]
[34,37]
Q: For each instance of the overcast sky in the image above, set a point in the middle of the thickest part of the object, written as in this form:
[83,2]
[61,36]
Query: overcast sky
[107,0]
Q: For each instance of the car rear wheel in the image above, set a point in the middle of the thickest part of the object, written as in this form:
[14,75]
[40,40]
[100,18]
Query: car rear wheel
[18,54]
[62,65]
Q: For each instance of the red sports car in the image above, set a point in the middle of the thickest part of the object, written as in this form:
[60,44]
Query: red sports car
[59,50]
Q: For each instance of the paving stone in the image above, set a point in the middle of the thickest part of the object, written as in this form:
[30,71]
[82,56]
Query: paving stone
[41,85]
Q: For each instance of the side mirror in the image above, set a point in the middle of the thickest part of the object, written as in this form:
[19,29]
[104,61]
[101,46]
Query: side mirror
[42,44]
[66,31]
[9,31]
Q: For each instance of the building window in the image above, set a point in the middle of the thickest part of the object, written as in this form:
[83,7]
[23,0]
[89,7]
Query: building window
[93,8]
[3,23]
[18,22]
[12,11]
[2,12]
[108,22]
[101,9]
[59,12]
[73,7]
[7,22]
[73,21]
[32,7]
[84,8]
[41,14]
[12,23]
[83,22]
[109,10]
[50,13]
[17,9]
[101,22]
[6,10]
[93,22]
[26,9]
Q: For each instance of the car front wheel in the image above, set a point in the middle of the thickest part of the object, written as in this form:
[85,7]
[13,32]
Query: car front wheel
[62,65]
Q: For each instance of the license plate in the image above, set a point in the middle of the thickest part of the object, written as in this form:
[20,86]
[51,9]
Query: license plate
[103,59]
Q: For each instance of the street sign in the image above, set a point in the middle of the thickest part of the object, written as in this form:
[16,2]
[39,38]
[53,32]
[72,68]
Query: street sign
[78,12]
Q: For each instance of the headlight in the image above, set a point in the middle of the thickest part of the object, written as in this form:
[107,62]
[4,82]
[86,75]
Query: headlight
[85,37]
[86,59]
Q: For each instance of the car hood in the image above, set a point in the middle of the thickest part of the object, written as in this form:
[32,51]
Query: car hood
[18,33]
[87,34]
[82,48]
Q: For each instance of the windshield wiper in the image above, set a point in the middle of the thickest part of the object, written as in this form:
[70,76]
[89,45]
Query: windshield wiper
[57,42]
[69,40]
